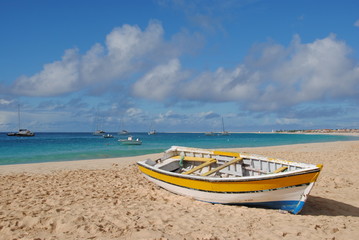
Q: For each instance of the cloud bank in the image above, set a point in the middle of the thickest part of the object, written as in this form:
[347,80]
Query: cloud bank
[272,77]
[127,50]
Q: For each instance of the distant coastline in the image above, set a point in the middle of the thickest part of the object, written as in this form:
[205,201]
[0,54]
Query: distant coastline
[345,132]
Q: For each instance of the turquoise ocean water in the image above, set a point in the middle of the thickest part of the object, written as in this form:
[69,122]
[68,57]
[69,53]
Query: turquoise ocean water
[51,147]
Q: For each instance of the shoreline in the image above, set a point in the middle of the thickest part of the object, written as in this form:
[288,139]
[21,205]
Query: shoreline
[106,163]
[101,156]
[87,164]
[110,199]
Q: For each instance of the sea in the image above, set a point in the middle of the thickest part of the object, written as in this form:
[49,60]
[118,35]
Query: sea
[55,147]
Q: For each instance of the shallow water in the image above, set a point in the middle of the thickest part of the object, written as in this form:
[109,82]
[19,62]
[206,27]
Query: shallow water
[51,147]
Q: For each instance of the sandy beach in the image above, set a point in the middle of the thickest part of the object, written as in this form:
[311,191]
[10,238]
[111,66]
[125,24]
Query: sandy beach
[110,199]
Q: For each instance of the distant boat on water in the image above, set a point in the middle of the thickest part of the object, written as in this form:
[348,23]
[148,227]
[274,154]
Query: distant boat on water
[99,123]
[22,132]
[108,135]
[209,134]
[98,133]
[123,132]
[130,141]
[152,132]
[224,132]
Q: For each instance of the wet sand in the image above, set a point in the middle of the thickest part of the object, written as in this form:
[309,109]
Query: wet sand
[110,199]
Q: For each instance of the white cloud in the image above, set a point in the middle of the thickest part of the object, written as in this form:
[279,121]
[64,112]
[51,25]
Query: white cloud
[127,49]
[208,115]
[287,121]
[6,118]
[133,112]
[160,83]
[222,85]
[275,77]
[170,117]
[356,23]
[56,78]
[5,102]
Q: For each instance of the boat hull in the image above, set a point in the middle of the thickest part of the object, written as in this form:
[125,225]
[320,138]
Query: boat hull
[125,142]
[31,134]
[285,192]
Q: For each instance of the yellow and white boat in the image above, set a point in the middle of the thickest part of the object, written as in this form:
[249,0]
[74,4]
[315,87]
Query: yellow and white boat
[233,178]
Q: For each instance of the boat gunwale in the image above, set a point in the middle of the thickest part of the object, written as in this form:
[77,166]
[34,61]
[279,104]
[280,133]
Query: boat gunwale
[314,169]
[244,155]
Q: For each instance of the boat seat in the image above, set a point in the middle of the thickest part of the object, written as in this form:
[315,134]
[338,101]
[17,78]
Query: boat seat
[281,169]
[205,164]
[227,154]
[236,160]
[150,162]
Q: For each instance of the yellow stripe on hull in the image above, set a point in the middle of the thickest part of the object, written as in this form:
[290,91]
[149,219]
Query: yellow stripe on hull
[234,186]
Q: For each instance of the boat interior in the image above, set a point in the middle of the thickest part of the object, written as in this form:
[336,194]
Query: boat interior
[221,164]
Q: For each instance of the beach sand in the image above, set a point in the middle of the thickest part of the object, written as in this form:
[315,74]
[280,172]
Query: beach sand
[110,199]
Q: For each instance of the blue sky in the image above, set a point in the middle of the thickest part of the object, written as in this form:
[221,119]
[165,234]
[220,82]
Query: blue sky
[179,65]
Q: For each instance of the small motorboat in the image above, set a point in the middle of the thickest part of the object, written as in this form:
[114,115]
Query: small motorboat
[130,141]
[233,178]
[108,135]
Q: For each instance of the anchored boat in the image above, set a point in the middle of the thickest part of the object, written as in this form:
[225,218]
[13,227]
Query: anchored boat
[22,132]
[233,178]
[130,141]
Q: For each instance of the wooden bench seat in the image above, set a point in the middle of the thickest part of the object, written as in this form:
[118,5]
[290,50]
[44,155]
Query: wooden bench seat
[281,169]
[236,160]
[205,164]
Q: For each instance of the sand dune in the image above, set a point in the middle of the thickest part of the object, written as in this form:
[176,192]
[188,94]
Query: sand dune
[109,199]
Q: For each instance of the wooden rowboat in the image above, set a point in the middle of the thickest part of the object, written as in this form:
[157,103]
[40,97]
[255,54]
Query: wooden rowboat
[233,178]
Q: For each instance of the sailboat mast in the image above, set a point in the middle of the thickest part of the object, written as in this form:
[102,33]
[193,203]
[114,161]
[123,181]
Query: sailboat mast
[18,115]
[222,125]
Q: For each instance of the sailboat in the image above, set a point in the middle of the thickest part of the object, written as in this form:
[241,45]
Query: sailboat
[224,133]
[209,134]
[123,132]
[22,132]
[98,132]
[152,132]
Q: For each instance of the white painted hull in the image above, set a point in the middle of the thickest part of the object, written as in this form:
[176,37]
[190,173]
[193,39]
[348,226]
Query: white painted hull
[291,199]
